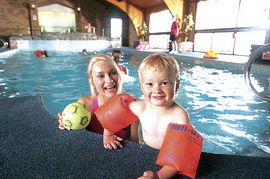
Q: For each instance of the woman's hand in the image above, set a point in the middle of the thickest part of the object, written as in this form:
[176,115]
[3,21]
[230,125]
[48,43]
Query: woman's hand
[111,141]
[149,175]
[61,124]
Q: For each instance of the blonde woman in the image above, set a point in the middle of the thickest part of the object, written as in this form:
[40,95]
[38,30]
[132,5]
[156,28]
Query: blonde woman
[105,81]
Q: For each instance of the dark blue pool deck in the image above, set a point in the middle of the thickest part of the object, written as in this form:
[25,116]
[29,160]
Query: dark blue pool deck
[32,146]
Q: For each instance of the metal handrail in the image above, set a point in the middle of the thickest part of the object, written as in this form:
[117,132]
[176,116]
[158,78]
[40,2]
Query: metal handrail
[254,55]
[5,44]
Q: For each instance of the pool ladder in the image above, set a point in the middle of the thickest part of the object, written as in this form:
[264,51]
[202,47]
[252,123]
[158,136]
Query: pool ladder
[4,43]
[254,55]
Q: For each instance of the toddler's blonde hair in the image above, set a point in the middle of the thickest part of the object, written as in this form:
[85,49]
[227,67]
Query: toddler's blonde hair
[159,62]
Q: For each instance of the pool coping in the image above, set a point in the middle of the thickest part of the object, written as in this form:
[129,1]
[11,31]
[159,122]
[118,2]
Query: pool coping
[196,57]
[6,52]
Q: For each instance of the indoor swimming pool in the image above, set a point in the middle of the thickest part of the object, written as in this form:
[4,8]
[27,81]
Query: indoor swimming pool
[229,116]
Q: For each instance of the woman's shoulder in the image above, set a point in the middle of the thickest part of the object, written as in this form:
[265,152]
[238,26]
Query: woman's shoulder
[87,100]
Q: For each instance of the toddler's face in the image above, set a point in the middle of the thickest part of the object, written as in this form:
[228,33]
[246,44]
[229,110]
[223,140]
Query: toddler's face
[158,88]
[105,78]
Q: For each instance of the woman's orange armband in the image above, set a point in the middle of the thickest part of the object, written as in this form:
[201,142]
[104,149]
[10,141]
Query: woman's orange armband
[181,149]
[115,113]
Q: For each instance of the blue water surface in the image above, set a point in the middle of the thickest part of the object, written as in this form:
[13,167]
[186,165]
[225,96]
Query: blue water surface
[229,116]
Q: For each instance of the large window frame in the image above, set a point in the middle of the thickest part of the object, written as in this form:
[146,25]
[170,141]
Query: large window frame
[159,33]
[231,31]
[56,18]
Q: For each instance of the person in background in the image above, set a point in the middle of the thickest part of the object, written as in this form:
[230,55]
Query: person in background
[88,28]
[116,54]
[84,52]
[105,82]
[174,34]
[159,81]
[40,53]
[45,53]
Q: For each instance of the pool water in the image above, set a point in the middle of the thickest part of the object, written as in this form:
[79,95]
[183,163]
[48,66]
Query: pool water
[221,107]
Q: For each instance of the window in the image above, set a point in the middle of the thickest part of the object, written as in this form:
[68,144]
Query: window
[116,32]
[231,26]
[214,14]
[56,18]
[159,32]
[155,21]
[116,27]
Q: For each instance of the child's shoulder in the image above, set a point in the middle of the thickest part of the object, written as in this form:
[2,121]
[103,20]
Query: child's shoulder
[182,114]
[137,107]
[138,103]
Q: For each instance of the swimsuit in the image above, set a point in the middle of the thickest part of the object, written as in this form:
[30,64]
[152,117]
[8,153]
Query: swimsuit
[122,68]
[174,29]
[96,127]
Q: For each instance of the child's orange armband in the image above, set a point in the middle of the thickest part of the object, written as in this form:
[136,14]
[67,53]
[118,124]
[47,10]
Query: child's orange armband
[115,113]
[181,149]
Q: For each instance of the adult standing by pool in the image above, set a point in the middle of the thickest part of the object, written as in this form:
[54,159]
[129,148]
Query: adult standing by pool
[174,34]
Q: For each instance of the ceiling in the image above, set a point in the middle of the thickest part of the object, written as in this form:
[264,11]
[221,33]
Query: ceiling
[144,4]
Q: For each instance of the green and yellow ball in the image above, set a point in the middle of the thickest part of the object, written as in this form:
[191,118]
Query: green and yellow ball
[76,116]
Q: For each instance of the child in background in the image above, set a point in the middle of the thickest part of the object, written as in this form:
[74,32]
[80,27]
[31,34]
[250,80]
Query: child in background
[105,81]
[159,80]
[116,54]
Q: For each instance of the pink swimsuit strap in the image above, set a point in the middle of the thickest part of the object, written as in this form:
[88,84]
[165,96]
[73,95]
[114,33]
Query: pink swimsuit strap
[95,105]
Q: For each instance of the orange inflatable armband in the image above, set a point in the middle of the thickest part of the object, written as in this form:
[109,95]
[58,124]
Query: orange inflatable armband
[115,113]
[181,149]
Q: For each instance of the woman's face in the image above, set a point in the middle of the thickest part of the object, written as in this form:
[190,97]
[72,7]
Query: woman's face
[105,78]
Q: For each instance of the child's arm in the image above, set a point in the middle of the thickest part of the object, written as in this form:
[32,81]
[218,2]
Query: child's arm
[164,172]
[134,133]
[181,149]
[113,116]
